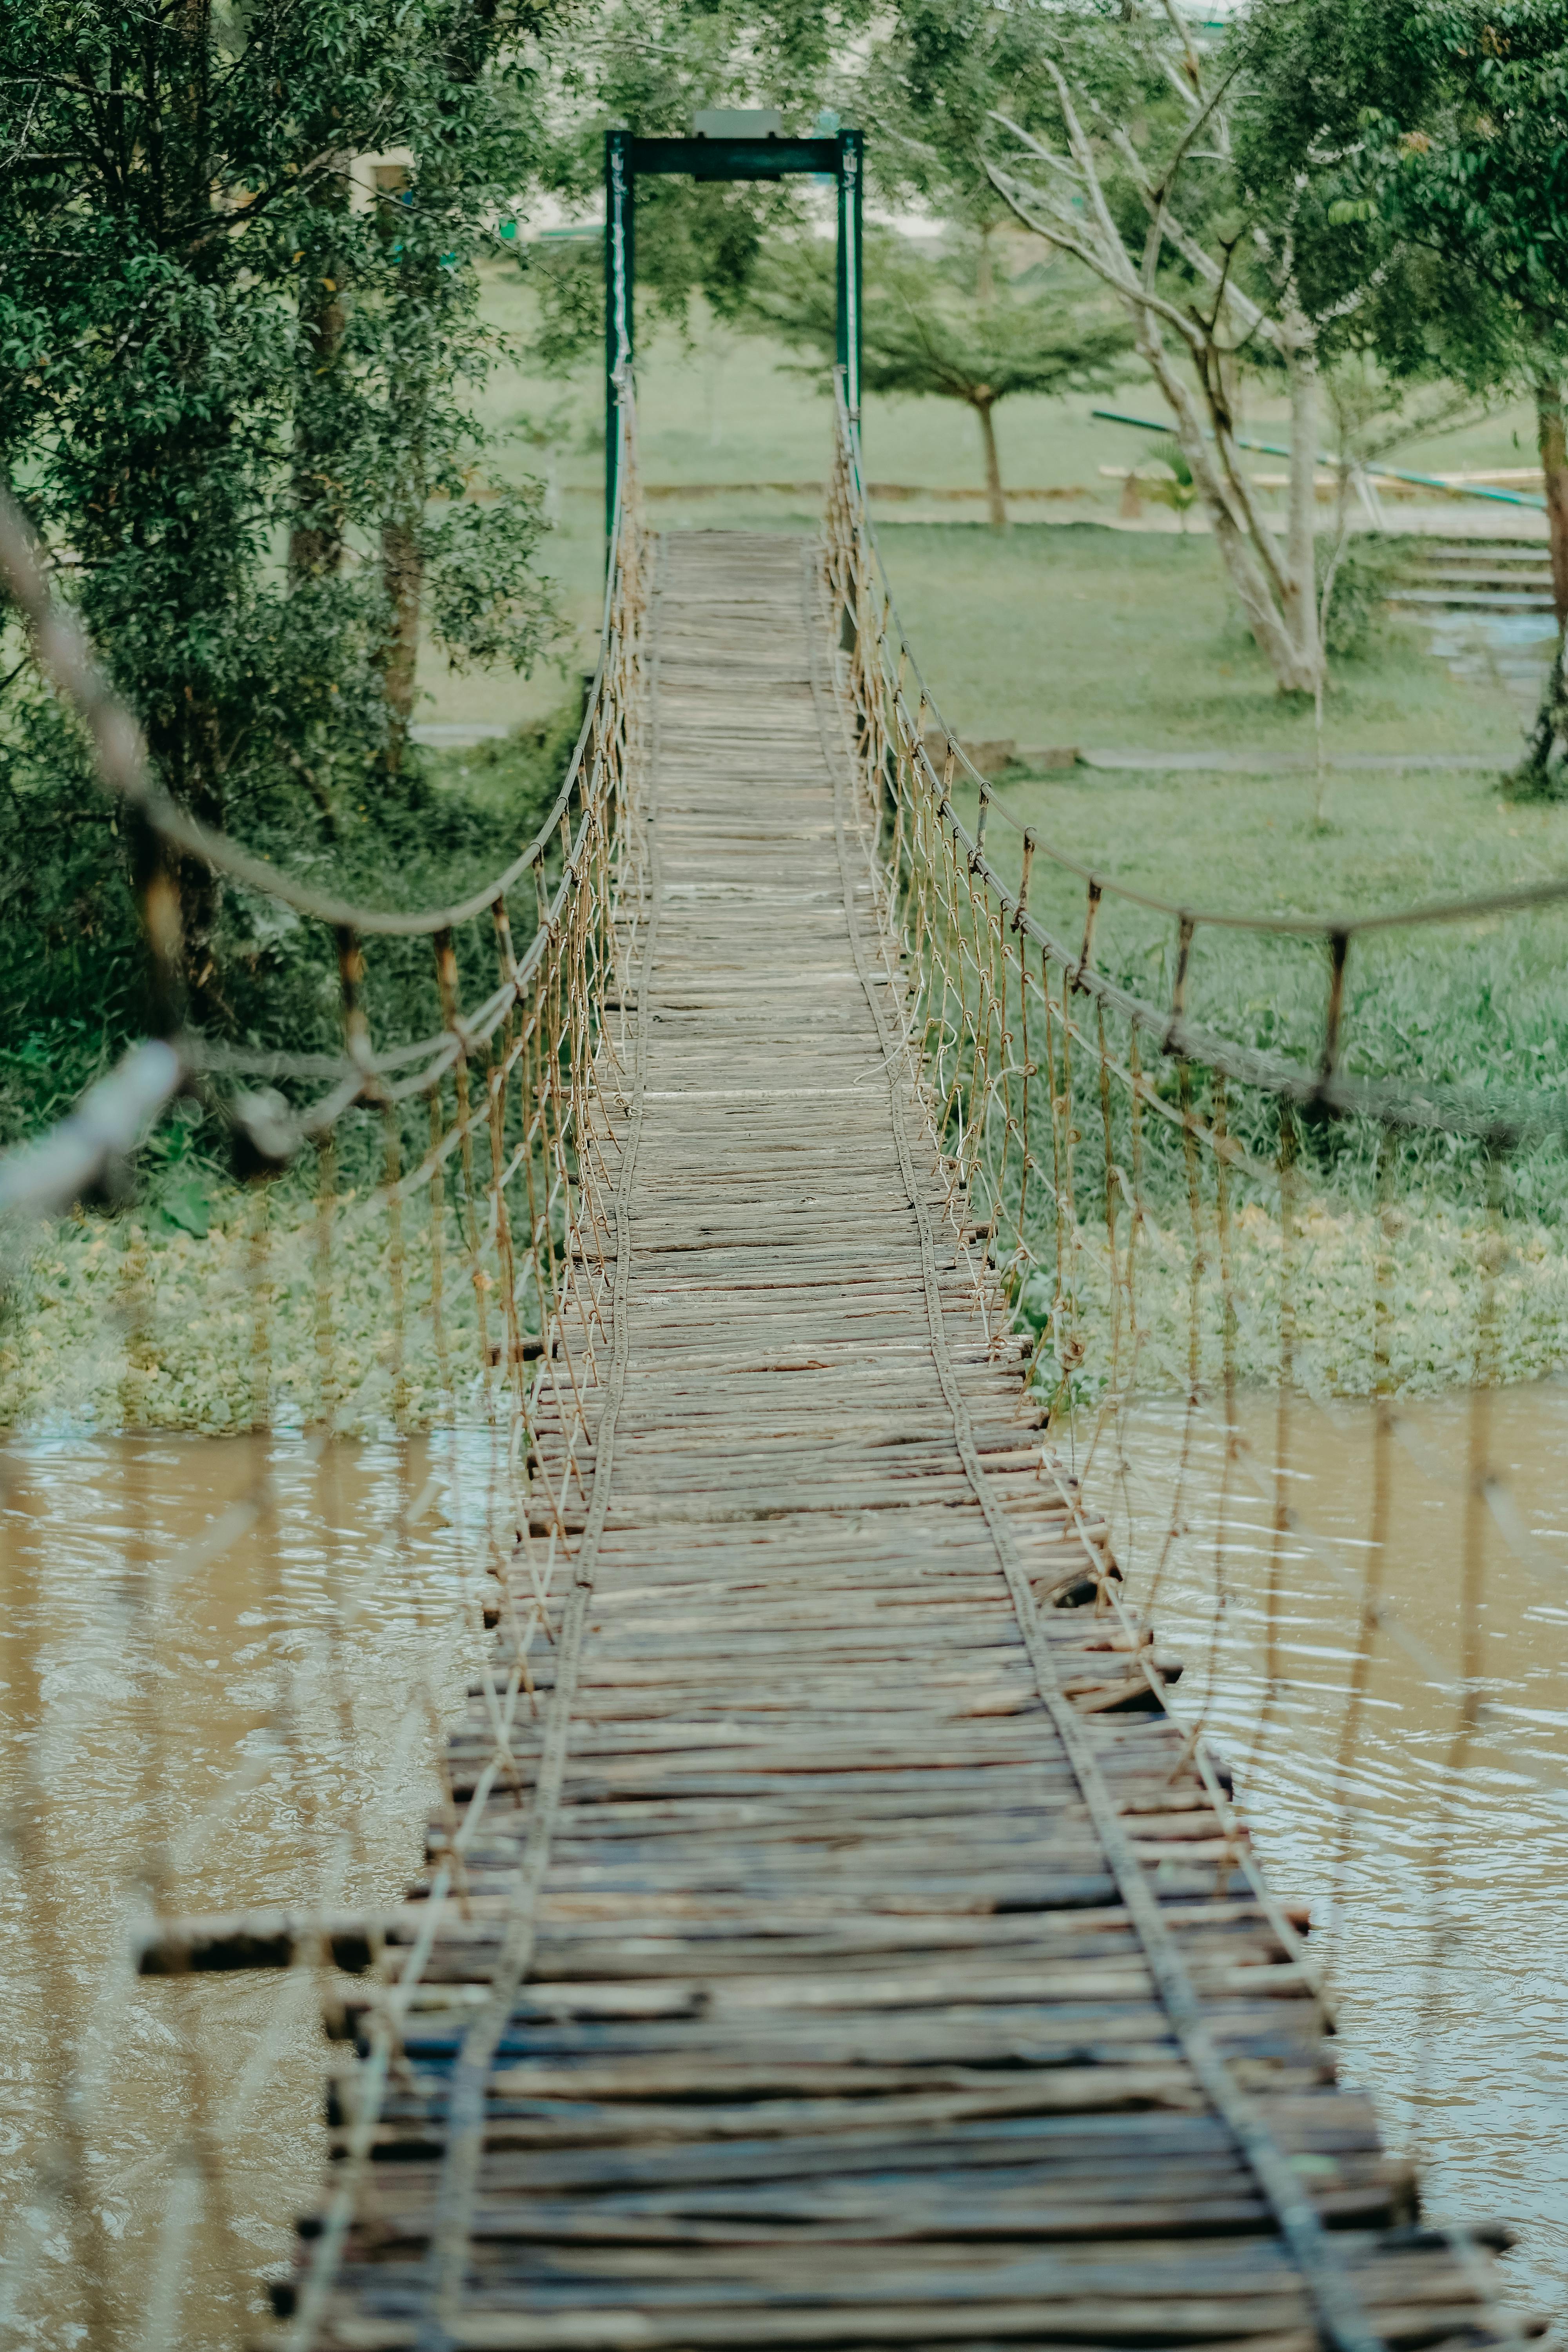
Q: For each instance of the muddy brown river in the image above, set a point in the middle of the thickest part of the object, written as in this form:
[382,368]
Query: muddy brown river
[195,1724]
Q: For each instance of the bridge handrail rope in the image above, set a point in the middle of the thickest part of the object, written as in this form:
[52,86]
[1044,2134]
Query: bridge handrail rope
[505,1079]
[1506,1119]
[1012,1031]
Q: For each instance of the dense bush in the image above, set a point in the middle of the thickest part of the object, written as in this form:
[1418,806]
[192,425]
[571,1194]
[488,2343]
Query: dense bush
[72,985]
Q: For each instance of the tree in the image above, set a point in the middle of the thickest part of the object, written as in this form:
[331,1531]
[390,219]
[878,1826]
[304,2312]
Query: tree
[1442,129]
[944,328]
[648,66]
[1209,318]
[1110,131]
[218,340]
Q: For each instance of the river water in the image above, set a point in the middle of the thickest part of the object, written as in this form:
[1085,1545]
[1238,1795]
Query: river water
[1438,1875]
[254,1729]
[260,1727]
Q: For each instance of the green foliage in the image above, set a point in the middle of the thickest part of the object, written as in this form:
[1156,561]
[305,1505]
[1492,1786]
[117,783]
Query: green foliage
[935,89]
[484,606]
[650,67]
[928,329]
[1174,488]
[1469,155]
[1428,143]
[1445,195]
[216,337]
[1358,602]
[929,90]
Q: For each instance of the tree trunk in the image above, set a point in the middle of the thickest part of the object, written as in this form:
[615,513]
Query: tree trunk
[1257,572]
[403,576]
[996,504]
[1549,742]
[190,184]
[316,537]
[183,737]
[1299,602]
[183,734]
[1551,435]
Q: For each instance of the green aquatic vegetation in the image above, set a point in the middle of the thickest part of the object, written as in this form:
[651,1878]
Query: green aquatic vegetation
[113,1323]
[141,1322]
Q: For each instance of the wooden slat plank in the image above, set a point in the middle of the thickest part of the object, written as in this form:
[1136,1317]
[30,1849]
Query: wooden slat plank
[838,2031]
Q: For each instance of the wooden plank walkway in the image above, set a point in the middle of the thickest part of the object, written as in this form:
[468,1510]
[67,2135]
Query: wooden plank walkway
[861,1962]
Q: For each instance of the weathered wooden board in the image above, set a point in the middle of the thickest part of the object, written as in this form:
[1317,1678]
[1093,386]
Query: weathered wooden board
[840,2026]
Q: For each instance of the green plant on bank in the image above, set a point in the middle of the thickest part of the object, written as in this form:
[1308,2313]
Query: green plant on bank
[1543,781]
[187,1302]
[145,1318]
[1174,486]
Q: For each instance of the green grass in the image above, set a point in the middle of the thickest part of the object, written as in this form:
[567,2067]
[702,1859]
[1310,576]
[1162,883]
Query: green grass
[1068,633]
[1244,844]
[1059,631]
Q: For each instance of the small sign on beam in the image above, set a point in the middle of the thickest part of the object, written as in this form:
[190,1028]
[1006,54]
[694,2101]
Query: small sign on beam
[737,122]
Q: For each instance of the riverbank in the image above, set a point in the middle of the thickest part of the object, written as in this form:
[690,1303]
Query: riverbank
[114,1325]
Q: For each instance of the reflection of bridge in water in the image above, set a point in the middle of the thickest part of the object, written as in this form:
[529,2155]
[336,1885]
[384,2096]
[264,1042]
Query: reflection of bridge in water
[829,1936]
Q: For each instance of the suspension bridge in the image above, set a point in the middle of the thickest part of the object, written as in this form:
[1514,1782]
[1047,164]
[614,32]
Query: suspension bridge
[829,1934]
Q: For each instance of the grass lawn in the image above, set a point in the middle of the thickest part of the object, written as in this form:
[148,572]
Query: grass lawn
[1058,631]
[1479,1003]
[1066,632]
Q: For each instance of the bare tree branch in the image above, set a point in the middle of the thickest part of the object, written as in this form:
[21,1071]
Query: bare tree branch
[1064,231]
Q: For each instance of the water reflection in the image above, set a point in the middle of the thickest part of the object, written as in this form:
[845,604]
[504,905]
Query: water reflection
[260,1729]
[317,1654]
[1434,1868]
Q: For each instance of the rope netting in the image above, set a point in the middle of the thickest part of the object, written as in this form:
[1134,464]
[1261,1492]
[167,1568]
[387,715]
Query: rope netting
[1210,1245]
[439,1222]
[1165,1209]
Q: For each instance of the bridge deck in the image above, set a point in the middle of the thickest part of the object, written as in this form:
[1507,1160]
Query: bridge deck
[829,2011]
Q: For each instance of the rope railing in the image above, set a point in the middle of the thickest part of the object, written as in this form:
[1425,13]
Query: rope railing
[1133,1185]
[1149,1199]
[478,1222]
